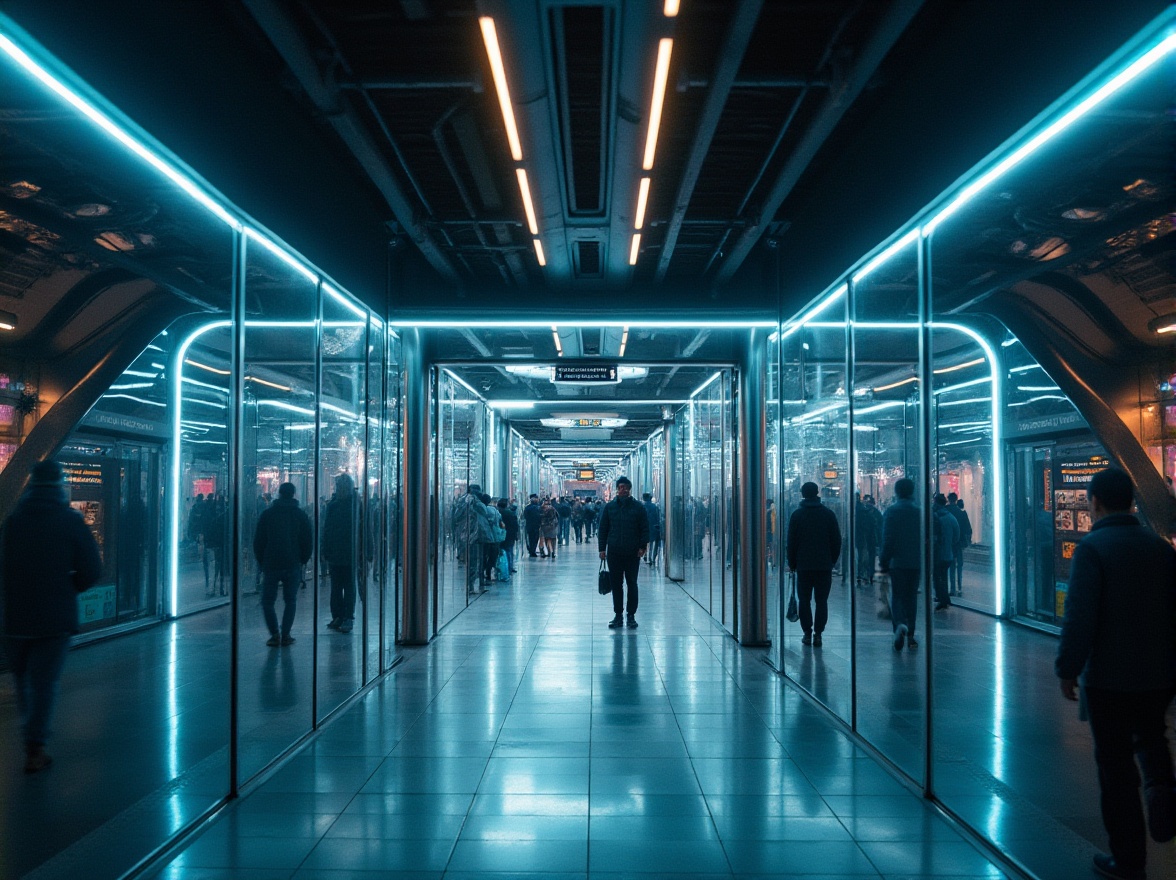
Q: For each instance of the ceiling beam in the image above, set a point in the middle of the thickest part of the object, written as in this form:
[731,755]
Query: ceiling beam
[328,99]
[730,57]
[892,26]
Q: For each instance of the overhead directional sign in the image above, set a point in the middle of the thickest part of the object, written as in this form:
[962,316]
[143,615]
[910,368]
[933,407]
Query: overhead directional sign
[602,373]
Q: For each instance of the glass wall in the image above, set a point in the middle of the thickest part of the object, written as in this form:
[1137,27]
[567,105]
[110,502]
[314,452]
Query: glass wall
[915,374]
[701,490]
[462,446]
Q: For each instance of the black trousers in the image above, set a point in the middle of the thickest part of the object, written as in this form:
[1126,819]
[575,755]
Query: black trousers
[1127,726]
[532,540]
[810,585]
[623,565]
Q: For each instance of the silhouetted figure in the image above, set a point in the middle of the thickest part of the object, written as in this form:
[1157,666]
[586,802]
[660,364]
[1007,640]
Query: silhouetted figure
[623,538]
[282,544]
[1119,634]
[47,557]
[814,544]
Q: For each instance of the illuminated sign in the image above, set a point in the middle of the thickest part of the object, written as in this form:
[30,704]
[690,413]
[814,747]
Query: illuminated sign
[604,373]
[81,474]
[586,474]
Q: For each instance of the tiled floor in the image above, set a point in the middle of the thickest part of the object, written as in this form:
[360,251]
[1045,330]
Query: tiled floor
[530,740]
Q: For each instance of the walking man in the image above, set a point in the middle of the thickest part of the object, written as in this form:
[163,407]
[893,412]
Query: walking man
[47,557]
[901,558]
[282,544]
[1119,634]
[813,544]
[342,531]
[955,506]
[654,517]
[622,536]
[532,519]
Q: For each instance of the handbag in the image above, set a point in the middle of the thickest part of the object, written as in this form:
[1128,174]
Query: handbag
[793,612]
[502,568]
[604,579]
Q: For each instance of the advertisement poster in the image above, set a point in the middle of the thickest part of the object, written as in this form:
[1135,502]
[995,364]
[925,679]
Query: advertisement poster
[1071,512]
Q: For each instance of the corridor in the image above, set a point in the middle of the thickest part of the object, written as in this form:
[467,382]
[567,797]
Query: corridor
[530,740]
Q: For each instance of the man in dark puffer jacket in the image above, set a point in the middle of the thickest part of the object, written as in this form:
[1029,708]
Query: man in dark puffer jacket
[48,557]
[282,544]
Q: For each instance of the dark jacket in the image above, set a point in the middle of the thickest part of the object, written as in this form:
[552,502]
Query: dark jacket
[901,545]
[814,538]
[510,522]
[654,517]
[964,522]
[624,526]
[283,539]
[1120,626]
[532,515]
[341,530]
[945,532]
[47,557]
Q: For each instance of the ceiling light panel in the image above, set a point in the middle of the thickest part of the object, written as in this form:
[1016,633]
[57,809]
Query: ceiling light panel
[498,71]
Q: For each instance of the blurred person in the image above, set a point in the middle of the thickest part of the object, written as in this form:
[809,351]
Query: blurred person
[654,516]
[945,534]
[533,519]
[497,536]
[282,545]
[549,528]
[955,506]
[814,544]
[510,522]
[565,519]
[1119,637]
[342,532]
[902,559]
[622,539]
[471,528]
[47,556]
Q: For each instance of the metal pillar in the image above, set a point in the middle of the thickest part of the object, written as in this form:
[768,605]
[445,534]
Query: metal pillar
[753,593]
[673,554]
[416,595]
[500,466]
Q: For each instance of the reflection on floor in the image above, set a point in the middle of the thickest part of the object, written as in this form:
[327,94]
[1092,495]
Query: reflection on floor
[530,739]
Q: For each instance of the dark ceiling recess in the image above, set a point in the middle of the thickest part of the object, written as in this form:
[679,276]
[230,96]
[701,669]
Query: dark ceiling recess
[581,52]
[588,258]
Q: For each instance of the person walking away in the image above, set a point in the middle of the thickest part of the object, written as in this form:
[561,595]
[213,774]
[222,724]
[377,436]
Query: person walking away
[946,535]
[590,514]
[622,538]
[47,557]
[510,522]
[814,544]
[282,545]
[341,532]
[533,518]
[549,528]
[654,516]
[496,535]
[468,533]
[901,558]
[955,506]
[565,519]
[1119,637]
[578,520]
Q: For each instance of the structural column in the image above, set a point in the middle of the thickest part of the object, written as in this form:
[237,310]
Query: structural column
[416,594]
[500,466]
[752,428]
[672,551]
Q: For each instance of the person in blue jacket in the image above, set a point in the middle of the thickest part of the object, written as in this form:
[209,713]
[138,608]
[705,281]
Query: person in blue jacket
[1119,635]
[47,557]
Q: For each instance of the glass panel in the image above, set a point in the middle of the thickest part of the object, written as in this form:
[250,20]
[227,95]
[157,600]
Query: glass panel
[375,509]
[891,686]
[392,577]
[730,522]
[815,446]
[772,465]
[342,468]
[204,446]
[277,416]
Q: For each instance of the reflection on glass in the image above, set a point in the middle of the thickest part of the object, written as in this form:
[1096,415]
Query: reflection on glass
[278,418]
[890,498]
[814,448]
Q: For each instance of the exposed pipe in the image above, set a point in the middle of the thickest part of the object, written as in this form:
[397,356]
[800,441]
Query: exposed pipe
[881,41]
[281,31]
